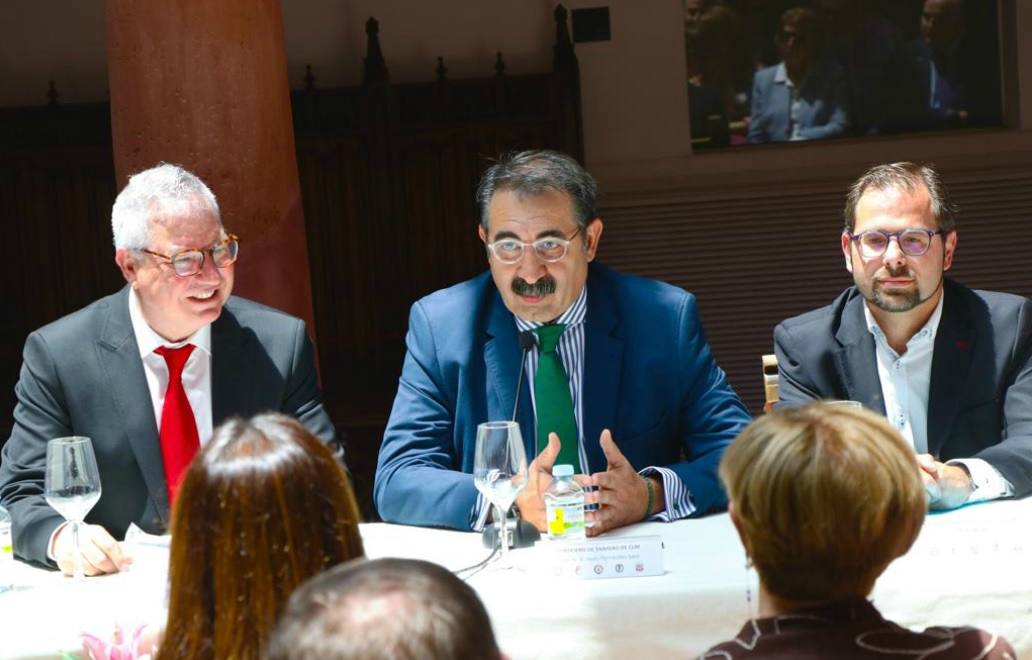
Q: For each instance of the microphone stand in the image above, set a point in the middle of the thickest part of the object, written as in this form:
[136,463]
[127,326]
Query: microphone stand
[524,534]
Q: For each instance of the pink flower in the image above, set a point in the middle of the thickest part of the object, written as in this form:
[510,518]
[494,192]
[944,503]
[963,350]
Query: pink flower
[137,646]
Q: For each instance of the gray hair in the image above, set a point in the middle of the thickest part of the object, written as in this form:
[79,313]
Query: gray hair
[160,188]
[903,176]
[402,609]
[537,172]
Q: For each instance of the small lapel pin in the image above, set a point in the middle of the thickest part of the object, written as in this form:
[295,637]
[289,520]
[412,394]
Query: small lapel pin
[963,344]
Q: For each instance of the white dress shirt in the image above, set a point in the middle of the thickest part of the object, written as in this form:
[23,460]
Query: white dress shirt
[571,353]
[196,372]
[905,384]
[196,377]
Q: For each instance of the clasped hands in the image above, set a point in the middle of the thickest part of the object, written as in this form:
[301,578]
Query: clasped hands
[622,494]
[948,486]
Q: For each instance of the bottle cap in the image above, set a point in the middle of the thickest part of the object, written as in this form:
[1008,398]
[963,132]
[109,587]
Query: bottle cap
[565,470]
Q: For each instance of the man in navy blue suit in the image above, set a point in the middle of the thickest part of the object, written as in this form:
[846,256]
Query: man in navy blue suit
[643,412]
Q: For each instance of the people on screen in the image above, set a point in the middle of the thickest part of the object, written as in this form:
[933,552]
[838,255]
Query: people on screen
[263,507]
[937,67]
[824,497]
[619,378]
[384,609]
[950,367]
[147,372]
[803,97]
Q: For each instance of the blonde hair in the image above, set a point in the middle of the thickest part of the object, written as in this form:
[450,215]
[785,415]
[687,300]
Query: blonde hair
[825,497]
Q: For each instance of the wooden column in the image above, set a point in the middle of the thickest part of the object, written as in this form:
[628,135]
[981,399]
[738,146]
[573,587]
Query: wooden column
[204,84]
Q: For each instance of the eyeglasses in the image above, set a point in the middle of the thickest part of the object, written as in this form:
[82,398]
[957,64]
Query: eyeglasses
[190,262]
[912,242]
[549,248]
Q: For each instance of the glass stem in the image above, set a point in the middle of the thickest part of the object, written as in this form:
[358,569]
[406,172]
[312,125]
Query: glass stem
[79,576]
[503,537]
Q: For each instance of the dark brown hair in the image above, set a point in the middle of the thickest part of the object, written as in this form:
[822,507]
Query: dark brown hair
[397,609]
[262,508]
[908,177]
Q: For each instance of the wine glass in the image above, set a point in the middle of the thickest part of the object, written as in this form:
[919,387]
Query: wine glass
[72,484]
[500,470]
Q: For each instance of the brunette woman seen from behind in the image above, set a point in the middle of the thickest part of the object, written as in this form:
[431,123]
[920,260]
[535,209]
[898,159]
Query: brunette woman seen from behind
[263,507]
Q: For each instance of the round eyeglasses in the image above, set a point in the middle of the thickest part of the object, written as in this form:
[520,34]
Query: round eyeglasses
[186,263]
[912,241]
[549,248]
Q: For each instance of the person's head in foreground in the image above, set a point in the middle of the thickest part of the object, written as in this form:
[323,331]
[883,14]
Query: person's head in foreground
[402,609]
[824,497]
[262,508]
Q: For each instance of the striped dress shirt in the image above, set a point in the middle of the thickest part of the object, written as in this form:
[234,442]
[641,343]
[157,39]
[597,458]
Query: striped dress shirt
[571,353]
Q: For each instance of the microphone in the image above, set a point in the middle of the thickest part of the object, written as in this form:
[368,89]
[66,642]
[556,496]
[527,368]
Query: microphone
[524,534]
[528,340]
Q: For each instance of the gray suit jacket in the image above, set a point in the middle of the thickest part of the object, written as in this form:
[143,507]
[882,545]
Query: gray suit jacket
[82,375]
[980,397]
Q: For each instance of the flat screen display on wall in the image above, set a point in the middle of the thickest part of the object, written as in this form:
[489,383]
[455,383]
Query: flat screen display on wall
[765,71]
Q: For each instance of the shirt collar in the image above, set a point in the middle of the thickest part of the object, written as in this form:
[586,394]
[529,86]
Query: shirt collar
[574,314]
[781,75]
[147,340]
[926,333]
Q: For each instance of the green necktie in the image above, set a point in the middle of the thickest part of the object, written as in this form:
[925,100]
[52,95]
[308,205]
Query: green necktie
[552,400]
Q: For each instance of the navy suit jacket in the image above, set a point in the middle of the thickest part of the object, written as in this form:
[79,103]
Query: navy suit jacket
[649,377]
[82,375]
[980,397]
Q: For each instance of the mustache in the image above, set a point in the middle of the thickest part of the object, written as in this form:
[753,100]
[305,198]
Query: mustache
[902,271]
[542,287]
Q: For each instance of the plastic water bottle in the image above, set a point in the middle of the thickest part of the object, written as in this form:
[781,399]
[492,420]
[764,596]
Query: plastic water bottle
[564,505]
[6,542]
[6,551]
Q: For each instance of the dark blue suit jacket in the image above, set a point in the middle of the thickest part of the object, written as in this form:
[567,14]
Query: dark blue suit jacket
[649,377]
[980,397]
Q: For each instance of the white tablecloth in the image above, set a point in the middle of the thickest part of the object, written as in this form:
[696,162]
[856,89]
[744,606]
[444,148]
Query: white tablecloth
[970,566]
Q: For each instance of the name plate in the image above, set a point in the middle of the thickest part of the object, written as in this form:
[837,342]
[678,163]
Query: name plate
[591,559]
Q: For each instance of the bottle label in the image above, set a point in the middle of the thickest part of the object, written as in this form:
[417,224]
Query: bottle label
[565,519]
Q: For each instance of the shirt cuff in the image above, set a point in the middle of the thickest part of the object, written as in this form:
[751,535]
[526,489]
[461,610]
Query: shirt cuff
[50,543]
[989,484]
[478,516]
[675,495]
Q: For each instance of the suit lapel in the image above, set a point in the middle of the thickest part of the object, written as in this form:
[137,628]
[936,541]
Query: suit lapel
[856,361]
[951,363]
[603,361]
[231,351]
[119,358]
[502,359]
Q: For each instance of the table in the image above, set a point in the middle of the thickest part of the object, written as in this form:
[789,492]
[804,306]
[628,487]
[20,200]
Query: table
[968,566]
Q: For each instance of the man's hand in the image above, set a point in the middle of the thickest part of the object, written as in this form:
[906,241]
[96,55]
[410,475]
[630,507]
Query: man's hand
[531,501]
[948,486]
[100,552]
[622,493]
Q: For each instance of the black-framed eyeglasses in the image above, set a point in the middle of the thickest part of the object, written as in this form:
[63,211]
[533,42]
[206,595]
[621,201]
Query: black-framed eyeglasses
[186,263]
[550,248]
[912,241]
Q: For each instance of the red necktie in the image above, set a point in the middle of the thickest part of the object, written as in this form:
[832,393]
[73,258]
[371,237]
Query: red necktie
[179,441]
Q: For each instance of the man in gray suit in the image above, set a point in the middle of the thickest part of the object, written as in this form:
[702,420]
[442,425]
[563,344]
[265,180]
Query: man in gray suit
[148,372]
[950,367]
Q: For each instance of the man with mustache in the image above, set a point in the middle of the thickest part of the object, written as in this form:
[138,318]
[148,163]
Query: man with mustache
[620,382]
[147,372]
[950,367]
